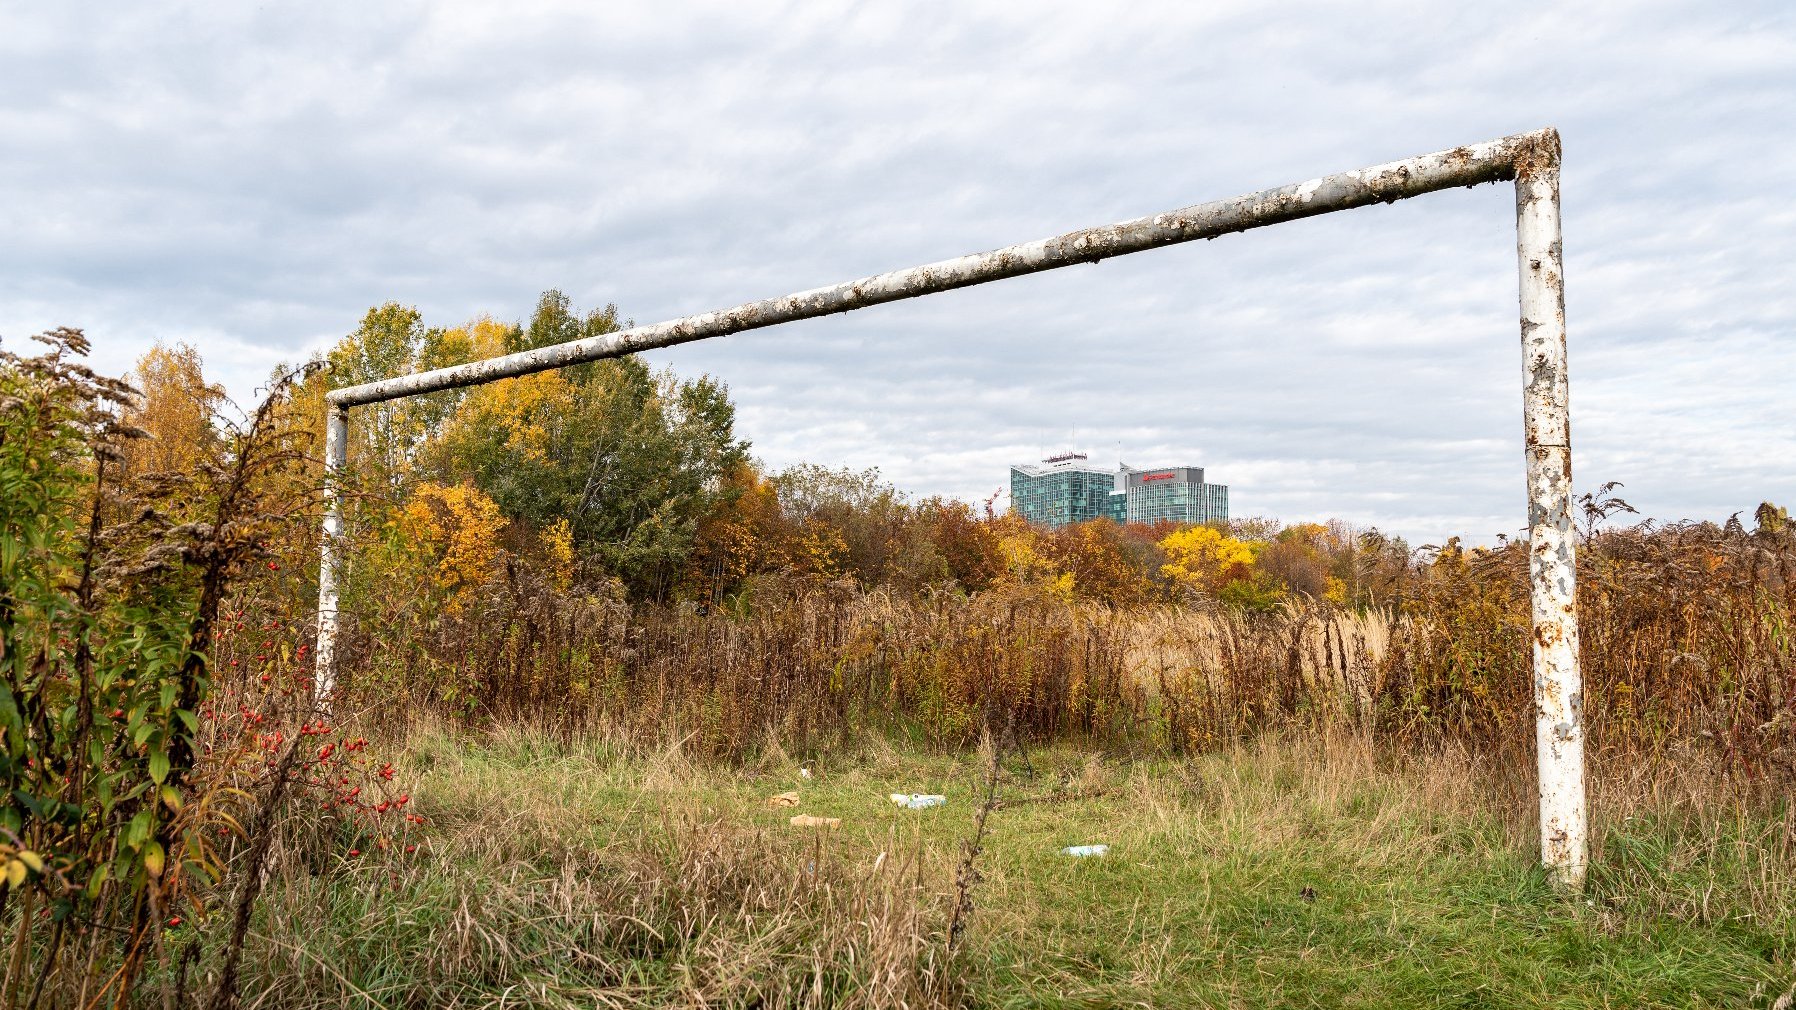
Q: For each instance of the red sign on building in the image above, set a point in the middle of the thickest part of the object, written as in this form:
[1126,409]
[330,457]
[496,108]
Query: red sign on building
[1163,475]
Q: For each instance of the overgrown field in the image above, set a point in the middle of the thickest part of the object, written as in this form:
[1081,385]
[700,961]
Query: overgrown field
[586,640]
[1289,872]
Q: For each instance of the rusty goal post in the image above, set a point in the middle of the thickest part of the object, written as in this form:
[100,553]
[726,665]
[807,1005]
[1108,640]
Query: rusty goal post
[1529,160]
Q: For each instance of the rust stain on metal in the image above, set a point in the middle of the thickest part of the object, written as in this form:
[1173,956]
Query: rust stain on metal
[1541,152]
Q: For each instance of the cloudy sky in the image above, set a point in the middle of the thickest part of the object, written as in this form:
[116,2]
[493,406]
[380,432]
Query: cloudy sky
[251,179]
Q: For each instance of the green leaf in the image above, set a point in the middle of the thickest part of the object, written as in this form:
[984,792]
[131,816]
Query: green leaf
[138,831]
[158,765]
[28,801]
[192,720]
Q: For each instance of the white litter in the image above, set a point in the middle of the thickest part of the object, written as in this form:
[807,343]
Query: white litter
[918,801]
[1086,850]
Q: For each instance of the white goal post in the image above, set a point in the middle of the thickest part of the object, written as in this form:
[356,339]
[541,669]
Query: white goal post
[1530,160]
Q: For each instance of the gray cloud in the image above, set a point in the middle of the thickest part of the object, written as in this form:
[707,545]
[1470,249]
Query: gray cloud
[252,180]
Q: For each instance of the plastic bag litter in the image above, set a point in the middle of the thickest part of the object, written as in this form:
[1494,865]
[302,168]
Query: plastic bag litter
[1085,850]
[918,801]
[809,821]
[784,799]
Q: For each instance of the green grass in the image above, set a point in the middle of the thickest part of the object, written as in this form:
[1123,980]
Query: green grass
[1288,874]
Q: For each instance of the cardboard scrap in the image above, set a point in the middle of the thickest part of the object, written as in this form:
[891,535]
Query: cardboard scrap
[809,821]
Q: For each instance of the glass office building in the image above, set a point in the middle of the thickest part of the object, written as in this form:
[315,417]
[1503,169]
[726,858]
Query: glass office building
[1068,489]
[1176,494]
[1064,489]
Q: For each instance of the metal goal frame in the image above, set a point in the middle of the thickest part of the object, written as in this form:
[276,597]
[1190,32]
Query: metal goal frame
[1530,160]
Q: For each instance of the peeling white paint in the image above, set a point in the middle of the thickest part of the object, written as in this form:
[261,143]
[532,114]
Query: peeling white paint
[336,451]
[1558,682]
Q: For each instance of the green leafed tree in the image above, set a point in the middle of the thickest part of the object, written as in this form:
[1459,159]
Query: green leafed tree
[631,458]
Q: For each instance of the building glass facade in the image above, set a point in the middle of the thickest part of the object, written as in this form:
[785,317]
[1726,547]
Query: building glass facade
[1064,489]
[1068,489]
[1177,494]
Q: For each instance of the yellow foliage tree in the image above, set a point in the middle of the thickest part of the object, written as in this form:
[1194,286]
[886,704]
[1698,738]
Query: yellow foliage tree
[176,406]
[822,550]
[460,526]
[557,541]
[1025,564]
[481,337]
[1205,558]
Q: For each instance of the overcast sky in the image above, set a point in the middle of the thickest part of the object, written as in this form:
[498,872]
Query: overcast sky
[251,180]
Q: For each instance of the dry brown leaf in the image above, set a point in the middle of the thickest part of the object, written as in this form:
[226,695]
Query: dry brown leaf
[784,799]
[808,821]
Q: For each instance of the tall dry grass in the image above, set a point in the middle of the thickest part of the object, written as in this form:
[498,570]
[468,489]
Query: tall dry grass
[515,899]
[1686,644]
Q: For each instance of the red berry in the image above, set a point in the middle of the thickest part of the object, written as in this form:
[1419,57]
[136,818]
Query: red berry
[354,852]
[176,921]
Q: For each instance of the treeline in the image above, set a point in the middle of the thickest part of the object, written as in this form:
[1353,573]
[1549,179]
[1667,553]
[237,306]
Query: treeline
[599,542]
[519,546]
[611,472]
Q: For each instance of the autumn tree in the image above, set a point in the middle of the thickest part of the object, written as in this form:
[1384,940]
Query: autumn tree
[967,546]
[1300,558]
[849,522]
[1207,560]
[1106,562]
[392,340]
[631,459]
[177,407]
[456,529]
[744,534]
